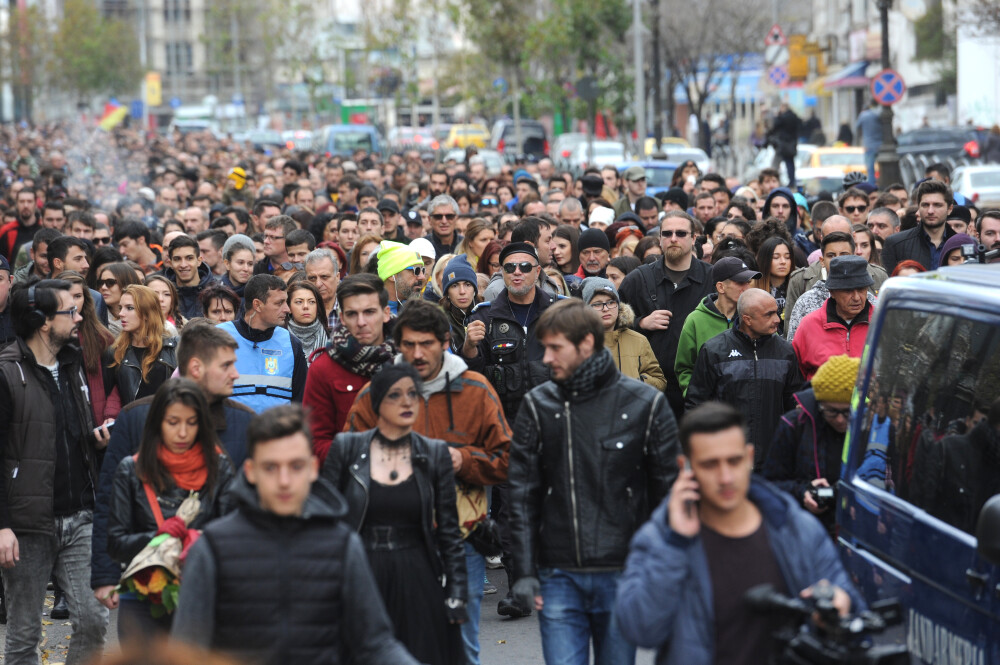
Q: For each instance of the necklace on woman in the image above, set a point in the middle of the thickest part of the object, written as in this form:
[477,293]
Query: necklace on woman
[394,451]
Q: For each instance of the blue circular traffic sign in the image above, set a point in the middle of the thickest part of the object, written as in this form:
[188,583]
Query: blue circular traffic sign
[887,87]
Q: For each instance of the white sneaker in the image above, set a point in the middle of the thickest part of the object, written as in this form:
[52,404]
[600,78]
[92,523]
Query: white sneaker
[493,562]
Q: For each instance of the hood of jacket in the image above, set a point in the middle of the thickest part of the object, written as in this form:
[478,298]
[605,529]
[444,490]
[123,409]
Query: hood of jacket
[452,367]
[626,316]
[323,502]
[708,306]
[793,217]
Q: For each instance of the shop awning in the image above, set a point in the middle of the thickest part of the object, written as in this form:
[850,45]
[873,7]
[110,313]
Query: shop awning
[851,76]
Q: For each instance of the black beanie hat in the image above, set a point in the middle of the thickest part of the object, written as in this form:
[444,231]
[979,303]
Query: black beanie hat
[386,377]
[594,238]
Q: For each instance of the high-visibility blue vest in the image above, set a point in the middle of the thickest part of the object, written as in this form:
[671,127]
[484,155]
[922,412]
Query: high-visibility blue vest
[265,369]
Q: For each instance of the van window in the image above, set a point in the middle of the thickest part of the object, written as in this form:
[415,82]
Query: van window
[351,141]
[931,422]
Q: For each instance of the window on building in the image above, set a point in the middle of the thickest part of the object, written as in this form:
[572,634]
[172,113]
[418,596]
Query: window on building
[176,11]
[180,57]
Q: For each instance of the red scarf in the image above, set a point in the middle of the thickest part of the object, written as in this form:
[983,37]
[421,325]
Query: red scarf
[188,469]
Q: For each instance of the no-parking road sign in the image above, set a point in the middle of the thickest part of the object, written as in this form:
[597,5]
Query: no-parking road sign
[888,87]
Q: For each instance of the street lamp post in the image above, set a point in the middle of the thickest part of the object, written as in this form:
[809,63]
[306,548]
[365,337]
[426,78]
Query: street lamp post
[888,158]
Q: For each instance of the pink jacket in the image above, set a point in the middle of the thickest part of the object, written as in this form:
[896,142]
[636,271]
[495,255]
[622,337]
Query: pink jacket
[823,334]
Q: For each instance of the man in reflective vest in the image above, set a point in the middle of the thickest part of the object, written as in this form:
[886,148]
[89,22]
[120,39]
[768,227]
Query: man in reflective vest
[269,359]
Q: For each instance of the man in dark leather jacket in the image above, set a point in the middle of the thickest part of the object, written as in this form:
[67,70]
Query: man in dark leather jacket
[593,452]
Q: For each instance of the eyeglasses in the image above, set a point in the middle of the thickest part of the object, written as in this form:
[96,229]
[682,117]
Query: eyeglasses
[107,282]
[417,270]
[854,209]
[292,265]
[494,265]
[523,266]
[442,216]
[71,312]
[489,202]
[601,306]
[101,241]
[835,413]
[671,234]
[268,236]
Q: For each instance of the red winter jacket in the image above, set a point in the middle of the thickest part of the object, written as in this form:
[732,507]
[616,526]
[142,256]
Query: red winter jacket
[329,395]
[823,334]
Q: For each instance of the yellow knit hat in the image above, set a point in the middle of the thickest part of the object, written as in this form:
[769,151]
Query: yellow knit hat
[834,380]
[395,257]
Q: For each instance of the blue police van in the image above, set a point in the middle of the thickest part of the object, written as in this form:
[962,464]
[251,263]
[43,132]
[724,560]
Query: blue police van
[922,459]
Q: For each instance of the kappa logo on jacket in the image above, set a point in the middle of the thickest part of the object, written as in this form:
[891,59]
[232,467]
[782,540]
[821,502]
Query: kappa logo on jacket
[735,354]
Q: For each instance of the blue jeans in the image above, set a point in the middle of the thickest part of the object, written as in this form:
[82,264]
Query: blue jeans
[66,554]
[577,608]
[475,570]
[870,154]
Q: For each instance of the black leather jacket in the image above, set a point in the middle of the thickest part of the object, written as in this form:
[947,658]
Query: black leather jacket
[128,375]
[586,469]
[131,524]
[348,468]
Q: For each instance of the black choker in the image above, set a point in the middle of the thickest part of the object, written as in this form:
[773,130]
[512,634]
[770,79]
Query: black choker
[391,452]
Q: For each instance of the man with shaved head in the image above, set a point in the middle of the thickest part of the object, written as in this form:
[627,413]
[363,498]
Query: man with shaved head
[750,367]
[804,279]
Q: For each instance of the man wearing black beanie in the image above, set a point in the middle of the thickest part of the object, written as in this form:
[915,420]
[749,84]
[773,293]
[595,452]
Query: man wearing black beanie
[595,254]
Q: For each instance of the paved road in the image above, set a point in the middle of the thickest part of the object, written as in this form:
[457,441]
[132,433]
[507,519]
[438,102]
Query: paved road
[503,641]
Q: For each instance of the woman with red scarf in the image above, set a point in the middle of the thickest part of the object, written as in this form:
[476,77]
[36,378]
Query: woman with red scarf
[179,454]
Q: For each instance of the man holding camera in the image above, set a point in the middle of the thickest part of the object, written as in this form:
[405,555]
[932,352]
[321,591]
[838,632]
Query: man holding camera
[804,459]
[716,536]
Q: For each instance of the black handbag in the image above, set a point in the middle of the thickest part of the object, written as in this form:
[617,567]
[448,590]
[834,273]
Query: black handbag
[485,537]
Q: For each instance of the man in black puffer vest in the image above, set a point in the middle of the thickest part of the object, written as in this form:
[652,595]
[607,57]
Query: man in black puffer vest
[283,579]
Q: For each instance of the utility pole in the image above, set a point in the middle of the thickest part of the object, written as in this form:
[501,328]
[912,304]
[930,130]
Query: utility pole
[640,77]
[143,60]
[887,157]
[657,78]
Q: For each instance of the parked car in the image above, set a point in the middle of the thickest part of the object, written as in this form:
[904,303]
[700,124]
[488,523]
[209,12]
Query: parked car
[264,139]
[679,154]
[814,180]
[941,143]
[344,140]
[412,138]
[534,139]
[666,144]
[605,153]
[979,184]
[463,136]
[918,509]
[845,158]
[297,139]
[563,146]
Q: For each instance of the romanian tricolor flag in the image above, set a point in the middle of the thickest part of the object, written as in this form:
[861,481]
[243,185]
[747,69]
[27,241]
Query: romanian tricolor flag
[113,116]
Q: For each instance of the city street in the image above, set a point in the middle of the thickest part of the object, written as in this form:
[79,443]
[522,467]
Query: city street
[503,641]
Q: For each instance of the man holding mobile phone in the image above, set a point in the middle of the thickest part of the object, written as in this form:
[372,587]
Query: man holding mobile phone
[718,534]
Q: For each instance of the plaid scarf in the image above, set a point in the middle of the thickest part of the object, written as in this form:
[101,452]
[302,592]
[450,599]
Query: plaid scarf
[356,357]
[584,379]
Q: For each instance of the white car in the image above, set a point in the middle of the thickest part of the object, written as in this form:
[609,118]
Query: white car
[979,184]
[680,154]
[606,153]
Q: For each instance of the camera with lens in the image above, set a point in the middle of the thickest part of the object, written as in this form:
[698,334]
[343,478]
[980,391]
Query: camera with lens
[823,496]
[812,631]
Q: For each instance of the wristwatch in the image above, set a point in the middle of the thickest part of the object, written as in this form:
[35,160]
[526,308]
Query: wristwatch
[454,603]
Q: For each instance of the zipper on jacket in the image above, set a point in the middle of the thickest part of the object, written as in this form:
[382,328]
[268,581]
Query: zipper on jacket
[572,486]
[364,508]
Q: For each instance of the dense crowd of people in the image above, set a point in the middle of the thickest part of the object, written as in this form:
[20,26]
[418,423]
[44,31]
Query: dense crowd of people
[381,374]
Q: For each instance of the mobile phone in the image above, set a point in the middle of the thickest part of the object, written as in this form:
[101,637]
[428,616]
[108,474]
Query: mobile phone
[688,503]
[109,426]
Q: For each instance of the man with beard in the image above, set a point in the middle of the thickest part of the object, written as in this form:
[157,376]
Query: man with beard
[358,347]
[402,270]
[16,233]
[47,432]
[664,292]
[988,228]
[924,242]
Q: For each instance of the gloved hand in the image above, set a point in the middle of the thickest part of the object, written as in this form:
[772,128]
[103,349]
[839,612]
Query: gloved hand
[454,609]
[525,590]
[175,526]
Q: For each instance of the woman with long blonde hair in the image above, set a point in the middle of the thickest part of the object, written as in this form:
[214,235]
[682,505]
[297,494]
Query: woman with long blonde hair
[143,356]
[478,234]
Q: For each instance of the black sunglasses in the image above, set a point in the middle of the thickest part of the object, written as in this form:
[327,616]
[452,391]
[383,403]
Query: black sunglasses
[443,216]
[854,209]
[107,282]
[101,241]
[524,266]
[679,234]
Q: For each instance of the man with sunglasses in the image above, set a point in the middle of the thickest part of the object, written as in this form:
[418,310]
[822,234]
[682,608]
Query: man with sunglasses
[500,343]
[443,212]
[854,205]
[47,432]
[635,189]
[807,447]
[402,270]
[664,292]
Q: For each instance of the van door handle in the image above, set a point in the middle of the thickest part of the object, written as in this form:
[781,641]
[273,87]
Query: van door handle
[976,578]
